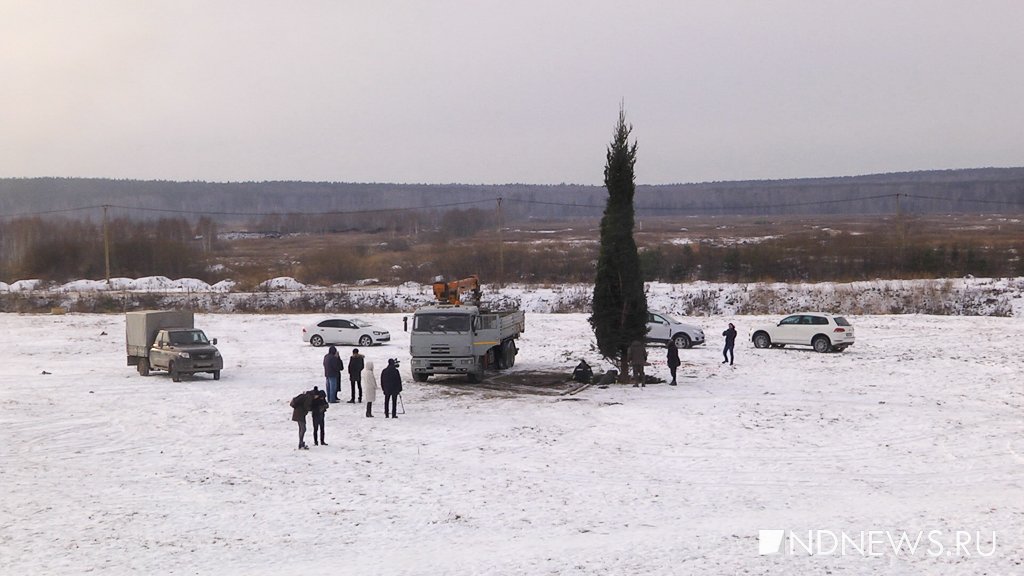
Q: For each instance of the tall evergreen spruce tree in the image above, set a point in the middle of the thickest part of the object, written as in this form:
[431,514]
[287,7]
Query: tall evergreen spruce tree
[619,314]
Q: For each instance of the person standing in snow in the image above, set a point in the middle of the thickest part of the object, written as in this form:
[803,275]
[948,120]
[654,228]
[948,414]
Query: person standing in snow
[730,343]
[637,357]
[370,387]
[673,360]
[391,385]
[301,406]
[332,372]
[355,373]
[318,408]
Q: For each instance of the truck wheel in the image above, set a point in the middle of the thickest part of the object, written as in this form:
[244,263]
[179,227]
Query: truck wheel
[420,377]
[216,374]
[316,340]
[365,341]
[508,354]
[143,366]
[175,377]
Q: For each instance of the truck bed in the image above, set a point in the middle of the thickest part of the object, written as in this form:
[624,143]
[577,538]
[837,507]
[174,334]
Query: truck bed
[141,327]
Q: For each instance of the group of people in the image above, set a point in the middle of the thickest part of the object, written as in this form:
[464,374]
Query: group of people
[636,358]
[333,365]
[362,383]
[673,354]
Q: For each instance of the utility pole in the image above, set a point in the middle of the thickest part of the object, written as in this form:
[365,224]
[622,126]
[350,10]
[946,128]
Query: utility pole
[501,249]
[106,244]
[900,234]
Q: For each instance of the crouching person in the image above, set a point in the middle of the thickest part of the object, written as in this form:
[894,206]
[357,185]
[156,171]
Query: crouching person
[583,373]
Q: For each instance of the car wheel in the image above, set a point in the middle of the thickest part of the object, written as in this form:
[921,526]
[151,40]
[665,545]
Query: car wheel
[175,377]
[216,374]
[316,340]
[762,340]
[821,344]
[682,341]
[365,341]
[419,377]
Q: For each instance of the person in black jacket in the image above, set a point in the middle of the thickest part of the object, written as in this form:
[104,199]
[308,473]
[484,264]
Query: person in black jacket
[583,373]
[355,375]
[730,343]
[332,371]
[391,384]
[673,360]
[301,406]
[318,407]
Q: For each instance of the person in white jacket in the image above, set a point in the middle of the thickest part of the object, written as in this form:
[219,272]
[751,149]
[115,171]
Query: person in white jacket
[369,388]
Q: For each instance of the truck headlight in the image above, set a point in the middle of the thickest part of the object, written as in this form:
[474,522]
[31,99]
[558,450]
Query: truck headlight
[183,355]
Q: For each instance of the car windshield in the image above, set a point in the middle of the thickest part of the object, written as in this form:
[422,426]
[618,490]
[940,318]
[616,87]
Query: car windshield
[361,323]
[840,321]
[185,338]
[441,323]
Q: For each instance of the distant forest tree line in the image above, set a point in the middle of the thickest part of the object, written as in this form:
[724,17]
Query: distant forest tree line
[60,250]
[173,229]
[334,206]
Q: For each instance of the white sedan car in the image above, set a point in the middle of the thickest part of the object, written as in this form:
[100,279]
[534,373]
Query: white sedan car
[353,331]
[823,332]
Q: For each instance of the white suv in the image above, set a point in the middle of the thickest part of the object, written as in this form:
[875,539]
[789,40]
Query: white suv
[823,332]
[661,328]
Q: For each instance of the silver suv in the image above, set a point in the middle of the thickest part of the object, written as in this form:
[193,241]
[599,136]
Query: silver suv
[661,328]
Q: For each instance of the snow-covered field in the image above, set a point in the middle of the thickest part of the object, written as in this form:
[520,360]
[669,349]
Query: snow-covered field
[918,427]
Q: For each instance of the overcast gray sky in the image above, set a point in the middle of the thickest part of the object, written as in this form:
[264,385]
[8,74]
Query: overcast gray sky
[478,91]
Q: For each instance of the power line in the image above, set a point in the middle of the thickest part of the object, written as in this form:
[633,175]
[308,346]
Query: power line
[232,213]
[713,208]
[974,200]
[645,209]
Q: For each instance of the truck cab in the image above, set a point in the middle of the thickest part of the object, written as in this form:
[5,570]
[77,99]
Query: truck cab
[185,351]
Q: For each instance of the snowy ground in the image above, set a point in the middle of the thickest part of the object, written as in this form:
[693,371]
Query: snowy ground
[918,427]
